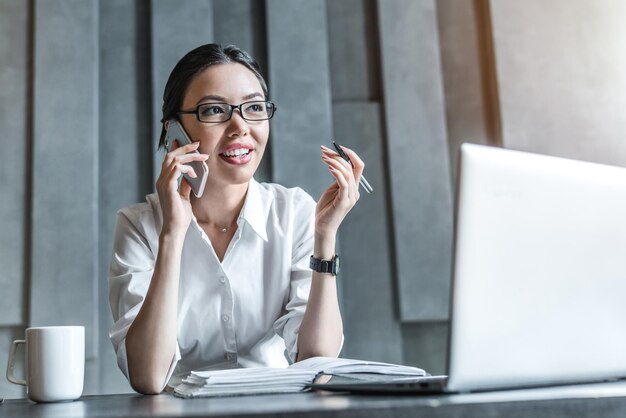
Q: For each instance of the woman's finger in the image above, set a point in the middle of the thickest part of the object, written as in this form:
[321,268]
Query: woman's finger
[345,192]
[346,172]
[343,189]
[357,163]
[357,166]
[331,162]
[170,181]
[184,149]
[188,158]
[181,160]
[176,151]
[332,154]
[185,190]
[187,169]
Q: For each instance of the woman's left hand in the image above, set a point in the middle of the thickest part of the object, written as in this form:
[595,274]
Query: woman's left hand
[342,195]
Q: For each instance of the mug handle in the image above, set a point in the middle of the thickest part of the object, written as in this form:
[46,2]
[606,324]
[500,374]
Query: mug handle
[11,364]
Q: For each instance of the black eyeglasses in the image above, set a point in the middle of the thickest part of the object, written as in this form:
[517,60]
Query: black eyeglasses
[221,112]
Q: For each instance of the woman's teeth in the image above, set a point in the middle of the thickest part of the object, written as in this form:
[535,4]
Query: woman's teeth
[236,153]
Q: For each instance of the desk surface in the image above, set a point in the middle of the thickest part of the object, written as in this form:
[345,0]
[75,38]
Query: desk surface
[599,400]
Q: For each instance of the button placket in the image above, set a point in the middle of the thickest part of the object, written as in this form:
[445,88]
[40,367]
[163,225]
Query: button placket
[226,316]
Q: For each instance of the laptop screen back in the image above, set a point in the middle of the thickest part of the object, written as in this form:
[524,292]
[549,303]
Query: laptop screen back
[539,285]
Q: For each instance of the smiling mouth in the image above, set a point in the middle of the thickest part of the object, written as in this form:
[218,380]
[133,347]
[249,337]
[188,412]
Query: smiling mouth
[237,153]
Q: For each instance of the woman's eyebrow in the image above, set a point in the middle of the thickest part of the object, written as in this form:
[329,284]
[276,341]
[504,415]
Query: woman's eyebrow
[252,96]
[213,97]
[216,98]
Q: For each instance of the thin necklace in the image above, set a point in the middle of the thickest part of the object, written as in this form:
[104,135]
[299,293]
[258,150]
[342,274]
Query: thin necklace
[223,229]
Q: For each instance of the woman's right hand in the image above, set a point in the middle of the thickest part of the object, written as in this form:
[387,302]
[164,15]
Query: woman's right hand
[175,202]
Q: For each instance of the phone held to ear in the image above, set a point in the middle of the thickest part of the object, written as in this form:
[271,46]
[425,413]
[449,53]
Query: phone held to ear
[175,132]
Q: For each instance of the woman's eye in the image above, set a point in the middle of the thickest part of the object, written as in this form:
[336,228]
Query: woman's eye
[255,107]
[213,110]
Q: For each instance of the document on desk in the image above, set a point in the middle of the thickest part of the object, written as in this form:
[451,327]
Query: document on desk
[295,378]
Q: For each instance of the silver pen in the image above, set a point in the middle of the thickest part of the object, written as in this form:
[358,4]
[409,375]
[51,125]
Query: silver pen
[362,181]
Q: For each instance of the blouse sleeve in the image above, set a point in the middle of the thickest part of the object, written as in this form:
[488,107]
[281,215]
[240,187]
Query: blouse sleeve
[288,325]
[130,272]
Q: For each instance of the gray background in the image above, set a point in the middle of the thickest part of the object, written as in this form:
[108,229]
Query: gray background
[403,82]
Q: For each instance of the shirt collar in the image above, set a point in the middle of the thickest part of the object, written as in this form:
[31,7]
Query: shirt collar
[254,211]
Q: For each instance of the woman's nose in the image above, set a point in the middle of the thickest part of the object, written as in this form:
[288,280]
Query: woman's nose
[238,124]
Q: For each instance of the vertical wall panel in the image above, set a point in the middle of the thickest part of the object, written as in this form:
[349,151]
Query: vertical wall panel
[125,147]
[14,116]
[176,30]
[561,72]
[64,238]
[472,111]
[298,73]
[371,327]
[354,54]
[425,345]
[366,289]
[418,156]
[242,23]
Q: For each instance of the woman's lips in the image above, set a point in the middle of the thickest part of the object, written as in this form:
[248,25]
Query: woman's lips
[238,160]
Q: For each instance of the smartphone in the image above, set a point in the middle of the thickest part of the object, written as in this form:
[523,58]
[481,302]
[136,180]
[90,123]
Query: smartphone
[175,132]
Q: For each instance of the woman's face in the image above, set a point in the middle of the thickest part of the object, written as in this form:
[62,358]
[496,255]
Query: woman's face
[233,84]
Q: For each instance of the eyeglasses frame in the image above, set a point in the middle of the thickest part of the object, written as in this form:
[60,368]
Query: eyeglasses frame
[196,111]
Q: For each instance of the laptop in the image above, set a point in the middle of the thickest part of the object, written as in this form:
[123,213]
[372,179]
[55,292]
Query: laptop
[539,277]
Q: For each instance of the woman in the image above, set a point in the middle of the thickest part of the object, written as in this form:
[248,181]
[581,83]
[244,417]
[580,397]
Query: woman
[224,280]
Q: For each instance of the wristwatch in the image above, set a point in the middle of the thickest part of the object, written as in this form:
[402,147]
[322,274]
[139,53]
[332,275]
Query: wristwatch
[325,266]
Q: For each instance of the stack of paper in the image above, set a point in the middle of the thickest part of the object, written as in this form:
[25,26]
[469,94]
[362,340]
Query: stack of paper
[295,378]
[359,369]
[255,380]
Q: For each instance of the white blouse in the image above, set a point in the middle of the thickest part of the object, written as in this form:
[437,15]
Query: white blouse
[243,312]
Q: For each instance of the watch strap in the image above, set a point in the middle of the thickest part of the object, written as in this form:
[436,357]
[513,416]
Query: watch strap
[325,266]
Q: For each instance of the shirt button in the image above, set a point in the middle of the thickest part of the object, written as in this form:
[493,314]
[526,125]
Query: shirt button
[222,279]
[225,318]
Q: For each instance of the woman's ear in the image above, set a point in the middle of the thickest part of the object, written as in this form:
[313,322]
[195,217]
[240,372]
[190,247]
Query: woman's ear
[165,124]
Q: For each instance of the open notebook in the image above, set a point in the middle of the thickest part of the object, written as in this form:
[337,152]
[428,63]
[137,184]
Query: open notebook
[295,378]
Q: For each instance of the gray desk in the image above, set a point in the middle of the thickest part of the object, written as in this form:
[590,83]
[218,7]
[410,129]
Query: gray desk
[600,400]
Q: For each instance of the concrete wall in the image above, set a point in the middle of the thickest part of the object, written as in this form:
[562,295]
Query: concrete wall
[403,82]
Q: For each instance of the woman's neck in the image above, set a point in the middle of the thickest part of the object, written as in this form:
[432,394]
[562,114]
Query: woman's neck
[220,205]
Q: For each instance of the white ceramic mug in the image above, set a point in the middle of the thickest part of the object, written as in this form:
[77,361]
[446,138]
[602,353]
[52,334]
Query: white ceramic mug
[55,363]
